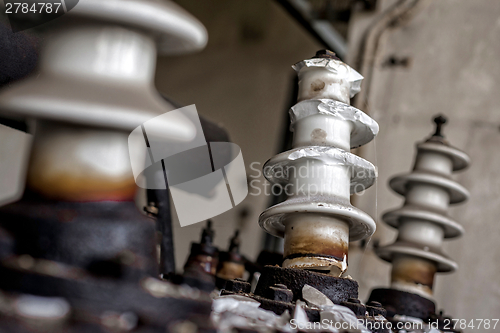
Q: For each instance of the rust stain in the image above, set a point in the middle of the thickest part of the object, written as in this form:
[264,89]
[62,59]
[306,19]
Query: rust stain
[318,136]
[231,270]
[316,246]
[317,85]
[320,88]
[74,188]
[419,273]
[207,263]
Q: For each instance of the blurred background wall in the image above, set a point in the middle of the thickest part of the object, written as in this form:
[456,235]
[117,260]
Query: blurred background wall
[440,57]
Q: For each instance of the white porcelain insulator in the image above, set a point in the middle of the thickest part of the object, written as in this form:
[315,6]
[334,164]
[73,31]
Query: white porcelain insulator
[95,84]
[317,220]
[423,222]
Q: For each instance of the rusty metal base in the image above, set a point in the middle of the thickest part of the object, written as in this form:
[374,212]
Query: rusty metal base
[277,307]
[398,302]
[278,299]
[94,236]
[100,258]
[92,297]
[403,303]
[337,289]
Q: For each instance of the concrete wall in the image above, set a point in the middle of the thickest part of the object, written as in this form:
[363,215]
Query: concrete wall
[453,51]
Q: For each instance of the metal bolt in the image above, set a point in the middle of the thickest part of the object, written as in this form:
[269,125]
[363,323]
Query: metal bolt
[440,120]
[326,54]
[375,308]
[355,305]
[238,285]
[151,209]
[375,304]
[279,292]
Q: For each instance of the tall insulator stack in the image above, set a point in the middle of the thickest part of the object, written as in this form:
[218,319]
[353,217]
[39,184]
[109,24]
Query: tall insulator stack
[94,85]
[83,257]
[319,173]
[423,224]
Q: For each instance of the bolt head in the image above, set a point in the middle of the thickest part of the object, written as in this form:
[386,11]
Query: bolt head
[151,210]
[440,119]
[326,54]
[238,285]
[279,294]
[375,304]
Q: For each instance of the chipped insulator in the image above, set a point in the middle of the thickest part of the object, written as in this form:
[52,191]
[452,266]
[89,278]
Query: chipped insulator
[94,85]
[423,221]
[319,173]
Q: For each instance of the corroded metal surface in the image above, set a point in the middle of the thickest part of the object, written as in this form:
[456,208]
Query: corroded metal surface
[100,258]
[231,263]
[403,303]
[84,235]
[415,271]
[329,248]
[201,265]
[336,289]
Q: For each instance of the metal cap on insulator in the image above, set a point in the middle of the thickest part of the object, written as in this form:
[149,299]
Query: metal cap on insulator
[326,77]
[326,54]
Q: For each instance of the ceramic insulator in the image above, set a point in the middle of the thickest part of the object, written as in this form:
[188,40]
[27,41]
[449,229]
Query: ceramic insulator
[423,221]
[93,86]
[319,173]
